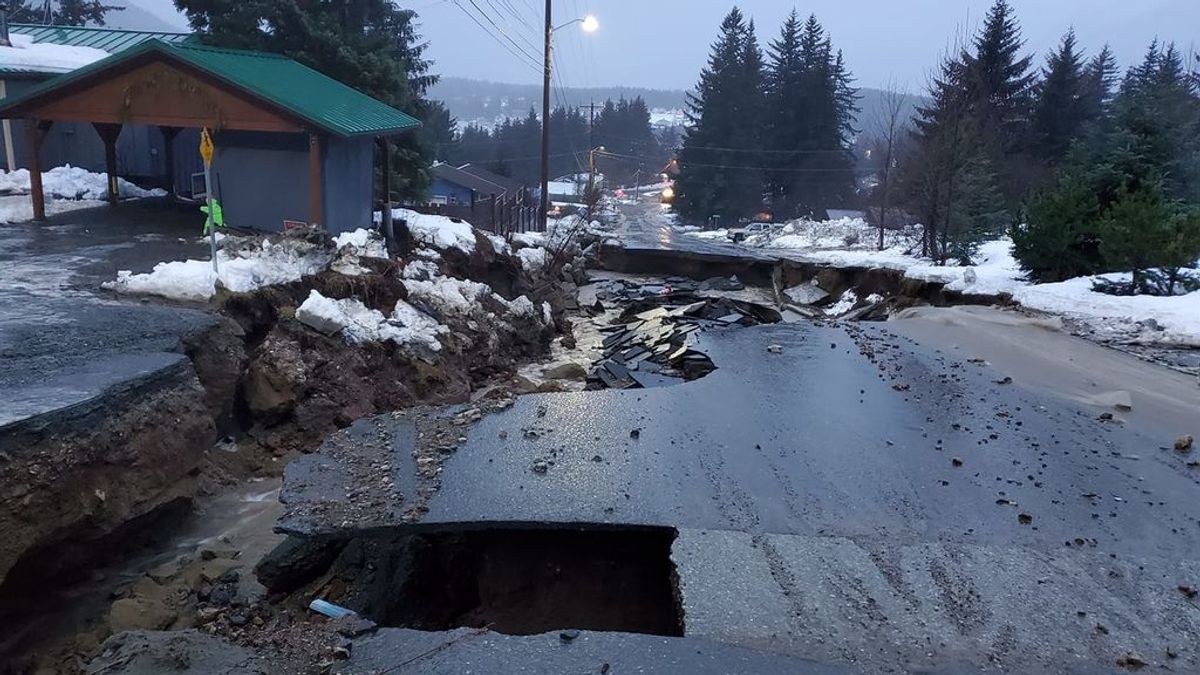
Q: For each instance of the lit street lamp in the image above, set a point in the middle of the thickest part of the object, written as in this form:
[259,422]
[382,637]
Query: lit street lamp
[590,25]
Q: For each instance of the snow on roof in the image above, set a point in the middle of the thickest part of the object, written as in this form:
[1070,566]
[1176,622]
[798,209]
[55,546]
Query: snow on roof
[25,55]
[562,188]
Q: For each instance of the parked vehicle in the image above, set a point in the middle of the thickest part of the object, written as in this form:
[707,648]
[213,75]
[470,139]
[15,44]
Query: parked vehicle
[741,233]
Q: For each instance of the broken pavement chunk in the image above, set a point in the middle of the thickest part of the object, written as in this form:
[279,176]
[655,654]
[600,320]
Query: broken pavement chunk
[1184,444]
[806,294]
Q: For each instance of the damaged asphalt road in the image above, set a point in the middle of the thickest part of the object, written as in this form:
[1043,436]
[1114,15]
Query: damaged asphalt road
[61,343]
[846,496]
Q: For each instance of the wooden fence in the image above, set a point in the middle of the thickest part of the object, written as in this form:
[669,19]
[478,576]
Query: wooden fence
[495,214]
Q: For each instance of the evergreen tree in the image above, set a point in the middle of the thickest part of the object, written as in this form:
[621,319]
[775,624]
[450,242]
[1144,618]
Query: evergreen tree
[371,45]
[999,88]
[1121,202]
[712,180]
[1157,107]
[750,111]
[811,104]
[1099,84]
[1000,81]
[623,130]
[1062,109]
[63,12]
[1144,231]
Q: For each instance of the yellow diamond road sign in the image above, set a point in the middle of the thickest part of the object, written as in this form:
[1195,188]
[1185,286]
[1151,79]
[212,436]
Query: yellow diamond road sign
[206,147]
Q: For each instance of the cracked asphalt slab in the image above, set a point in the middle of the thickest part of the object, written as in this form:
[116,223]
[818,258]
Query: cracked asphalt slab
[63,341]
[859,498]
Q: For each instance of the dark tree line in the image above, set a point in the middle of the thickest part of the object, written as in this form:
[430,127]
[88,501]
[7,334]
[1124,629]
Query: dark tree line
[768,132]
[622,128]
[1089,172]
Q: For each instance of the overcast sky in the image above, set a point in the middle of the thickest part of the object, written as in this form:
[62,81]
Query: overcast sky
[664,43]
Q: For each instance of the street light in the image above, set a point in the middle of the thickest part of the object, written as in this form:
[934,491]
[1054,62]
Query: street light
[589,24]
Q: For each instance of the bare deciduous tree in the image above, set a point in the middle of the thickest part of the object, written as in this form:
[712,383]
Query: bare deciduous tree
[890,126]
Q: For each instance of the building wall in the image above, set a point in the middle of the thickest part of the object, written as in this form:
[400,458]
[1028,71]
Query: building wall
[349,180]
[451,192]
[263,179]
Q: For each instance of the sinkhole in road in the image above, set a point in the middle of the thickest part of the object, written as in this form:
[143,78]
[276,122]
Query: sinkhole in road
[528,581]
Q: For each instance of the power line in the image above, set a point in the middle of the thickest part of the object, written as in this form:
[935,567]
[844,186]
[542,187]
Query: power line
[514,49]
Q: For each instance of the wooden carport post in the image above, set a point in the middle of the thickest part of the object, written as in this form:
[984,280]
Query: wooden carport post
[109,134]
[314,179]
[169,134]
[389,233]
[37,133]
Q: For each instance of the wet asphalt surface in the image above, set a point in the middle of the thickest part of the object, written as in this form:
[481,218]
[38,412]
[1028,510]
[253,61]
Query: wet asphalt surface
[859,499]
[821,511]
[64,340]
[644,228]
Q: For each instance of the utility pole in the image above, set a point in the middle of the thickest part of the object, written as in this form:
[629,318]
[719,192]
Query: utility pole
[544,208]
[591,150]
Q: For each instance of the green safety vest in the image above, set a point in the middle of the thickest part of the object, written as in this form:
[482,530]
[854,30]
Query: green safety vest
[218,216]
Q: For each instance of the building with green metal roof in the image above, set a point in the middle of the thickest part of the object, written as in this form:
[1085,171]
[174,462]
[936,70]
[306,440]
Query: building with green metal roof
[106,39]
[40,52]
[293,145]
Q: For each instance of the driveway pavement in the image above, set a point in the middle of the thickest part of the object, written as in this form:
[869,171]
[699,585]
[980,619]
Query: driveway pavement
[63,339]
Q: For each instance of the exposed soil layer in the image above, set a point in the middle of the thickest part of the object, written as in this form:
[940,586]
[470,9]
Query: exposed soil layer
[76,475]
[763,271]
[518,582]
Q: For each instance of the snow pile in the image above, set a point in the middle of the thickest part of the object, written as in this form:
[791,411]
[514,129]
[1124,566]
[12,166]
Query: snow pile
[449,296]
[19,209]
[352,247]
[498,244]
[995,271]
[1165,319]
[841,233]
[25,54]
[244,268]
[844,304]
[366,243]
[359,324]
[528,239]
[72,182]
[440,232]
[1171,320]
[710,234]
[420,270]
[533,259]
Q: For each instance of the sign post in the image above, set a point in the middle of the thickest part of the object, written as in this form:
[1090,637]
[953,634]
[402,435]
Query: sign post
[206,153]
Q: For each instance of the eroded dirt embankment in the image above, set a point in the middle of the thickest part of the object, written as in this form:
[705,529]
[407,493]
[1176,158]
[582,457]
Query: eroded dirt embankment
[71,477]
[248,393]
[890,284]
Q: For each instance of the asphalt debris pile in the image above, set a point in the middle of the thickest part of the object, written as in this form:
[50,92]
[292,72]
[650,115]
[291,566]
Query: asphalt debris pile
[652,342]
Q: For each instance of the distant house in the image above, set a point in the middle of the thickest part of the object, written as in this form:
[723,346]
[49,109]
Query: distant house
[469,185]
[838,214]
[571,188]
[293,146]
